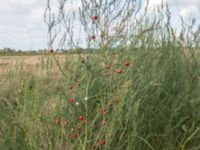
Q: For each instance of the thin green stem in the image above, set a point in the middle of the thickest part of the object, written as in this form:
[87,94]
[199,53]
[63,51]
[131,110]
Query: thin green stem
[86,109]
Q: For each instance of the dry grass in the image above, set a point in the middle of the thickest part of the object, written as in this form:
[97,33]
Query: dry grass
[31,63]
[7,62]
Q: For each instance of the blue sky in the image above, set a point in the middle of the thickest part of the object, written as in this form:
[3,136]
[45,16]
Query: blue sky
[22,25]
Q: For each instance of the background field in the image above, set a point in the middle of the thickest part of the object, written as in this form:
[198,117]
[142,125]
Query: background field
[30,63]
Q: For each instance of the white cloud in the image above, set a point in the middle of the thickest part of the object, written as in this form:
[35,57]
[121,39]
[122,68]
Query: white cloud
[153,4]
[17,7]
[22,24]
[186,8]
[190,11]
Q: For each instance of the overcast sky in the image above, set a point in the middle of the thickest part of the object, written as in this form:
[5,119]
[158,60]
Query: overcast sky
[22,25]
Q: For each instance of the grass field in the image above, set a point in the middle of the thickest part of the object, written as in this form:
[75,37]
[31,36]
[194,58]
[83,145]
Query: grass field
[136,99]
[30,63]
[10,61]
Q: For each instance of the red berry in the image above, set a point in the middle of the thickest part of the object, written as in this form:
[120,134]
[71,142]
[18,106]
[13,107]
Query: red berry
[104,113]
[81,117]
[93,37]
[95,18]
[119,71]
[78,128]
[126,63]
[71,100]
[75,135]
[84,121]
[102,142]
[104,122]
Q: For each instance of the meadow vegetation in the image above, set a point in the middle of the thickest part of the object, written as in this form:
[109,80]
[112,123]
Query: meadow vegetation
[143,95]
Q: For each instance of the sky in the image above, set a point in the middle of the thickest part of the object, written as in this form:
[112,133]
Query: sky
[22,21]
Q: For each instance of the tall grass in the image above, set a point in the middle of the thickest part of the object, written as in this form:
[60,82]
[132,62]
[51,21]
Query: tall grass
[151,104]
